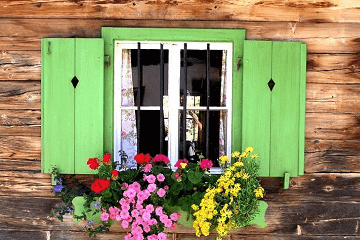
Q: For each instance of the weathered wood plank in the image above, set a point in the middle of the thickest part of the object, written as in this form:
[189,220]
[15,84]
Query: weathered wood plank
[20,95]
[333,126]
[332,98]
[20,65]
[253,10]
[20,123]
[20,165]
[15,147]
[25,34]
[16,234]
[332,155]
[320,97]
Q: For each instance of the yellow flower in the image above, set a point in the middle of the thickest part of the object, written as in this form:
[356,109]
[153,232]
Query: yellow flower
[254,156]
[183,165]
[249,149]
[245,176]
[235,154]
[194,207]
[224,159]
[238,164]
[259,192]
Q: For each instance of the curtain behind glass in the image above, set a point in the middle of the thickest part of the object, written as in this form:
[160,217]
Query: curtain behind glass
[222,130]
[128,118]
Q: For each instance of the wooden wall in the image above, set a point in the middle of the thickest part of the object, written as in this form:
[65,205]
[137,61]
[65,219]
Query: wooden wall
[322,204]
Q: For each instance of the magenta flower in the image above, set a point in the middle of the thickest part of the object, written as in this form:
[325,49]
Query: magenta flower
[160,177]
[206,164]
[159,211]
[177,164]
[161,192]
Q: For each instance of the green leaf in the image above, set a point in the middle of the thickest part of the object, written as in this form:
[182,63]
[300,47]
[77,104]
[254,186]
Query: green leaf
[194,177]
[176,188]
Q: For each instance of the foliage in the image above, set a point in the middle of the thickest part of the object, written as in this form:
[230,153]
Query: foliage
[233,201]
[149,199]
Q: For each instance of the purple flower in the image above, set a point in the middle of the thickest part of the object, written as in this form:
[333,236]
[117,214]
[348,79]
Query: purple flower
[58,188]
[96,204]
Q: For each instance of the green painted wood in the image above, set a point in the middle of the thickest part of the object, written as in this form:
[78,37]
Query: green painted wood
[257,101]
[302,109]
[89,102]
[285,107]
[106,34]
[57,105]
[286,180]
[235,36]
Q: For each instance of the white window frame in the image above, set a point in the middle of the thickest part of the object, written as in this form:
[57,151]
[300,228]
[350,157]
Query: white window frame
[174,67]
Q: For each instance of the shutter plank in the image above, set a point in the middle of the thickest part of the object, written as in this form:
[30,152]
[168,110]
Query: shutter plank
[257,100]
[57,102]
[89,99]
[285,109]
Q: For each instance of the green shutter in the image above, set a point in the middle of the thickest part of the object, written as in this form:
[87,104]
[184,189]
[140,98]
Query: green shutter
[273,120]
[72,118]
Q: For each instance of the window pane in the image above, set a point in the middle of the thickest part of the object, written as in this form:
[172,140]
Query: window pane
[150,132]
[196,76]
[195,143]
[150,63]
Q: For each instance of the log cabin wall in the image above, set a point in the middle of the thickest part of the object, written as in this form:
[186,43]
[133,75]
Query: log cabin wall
[322,204]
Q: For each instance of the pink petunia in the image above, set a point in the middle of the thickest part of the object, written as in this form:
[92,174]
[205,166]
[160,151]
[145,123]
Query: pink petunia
[159,211]
[162,236]
[151,178]
[104,216]
[160,177]
[147,167]
[161,192]
[125,224]
[135,186]
[151,187]
[130,193]
[174,217]
[173,227]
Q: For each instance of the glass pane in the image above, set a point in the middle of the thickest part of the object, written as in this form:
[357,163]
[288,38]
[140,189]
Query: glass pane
[150,87]
[195,143]
[196,76]
[150,125]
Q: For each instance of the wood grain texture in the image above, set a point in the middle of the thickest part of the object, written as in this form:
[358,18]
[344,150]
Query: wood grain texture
[25,34]
[252,10]
[19,95]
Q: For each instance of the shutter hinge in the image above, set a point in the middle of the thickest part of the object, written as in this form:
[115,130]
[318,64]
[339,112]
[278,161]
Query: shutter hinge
[238,63]
[107,60]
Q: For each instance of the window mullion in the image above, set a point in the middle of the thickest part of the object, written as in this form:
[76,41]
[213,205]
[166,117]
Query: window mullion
[174,100]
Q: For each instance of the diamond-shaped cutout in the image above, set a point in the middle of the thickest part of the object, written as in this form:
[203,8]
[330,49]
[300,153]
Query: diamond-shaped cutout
[271,84]
[75,81]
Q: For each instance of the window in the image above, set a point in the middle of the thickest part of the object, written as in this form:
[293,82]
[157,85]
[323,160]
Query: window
[207,123]
[83,107]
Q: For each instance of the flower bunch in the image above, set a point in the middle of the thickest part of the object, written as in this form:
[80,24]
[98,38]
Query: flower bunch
[232,202]
[141,208]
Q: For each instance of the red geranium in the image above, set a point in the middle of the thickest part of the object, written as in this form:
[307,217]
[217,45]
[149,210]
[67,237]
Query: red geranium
[106,159]
[142,158]
[206,164]
[177,164]
[160,158]
[114,175]
[100,185]
[93,163]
